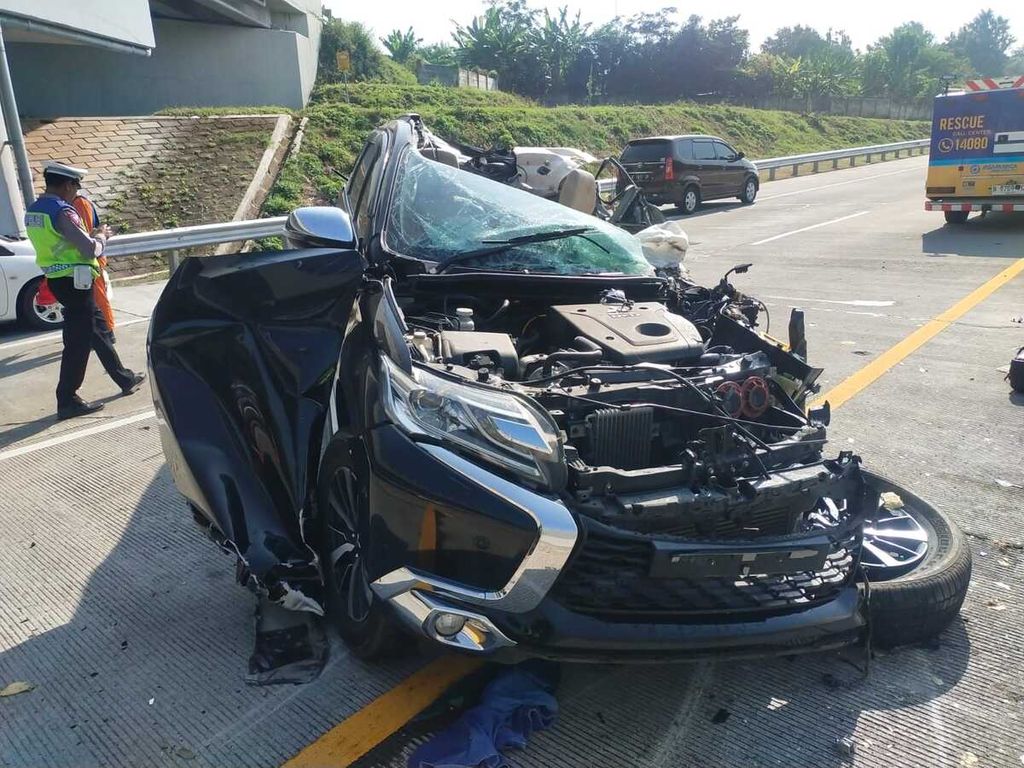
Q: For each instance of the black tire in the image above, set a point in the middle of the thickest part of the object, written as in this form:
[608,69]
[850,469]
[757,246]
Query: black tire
[369,629]
[690,201]
[957,217]
[749,191]
[915,606]
[27,313]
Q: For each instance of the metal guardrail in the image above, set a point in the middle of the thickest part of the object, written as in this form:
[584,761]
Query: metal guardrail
[174,240]
[814,159]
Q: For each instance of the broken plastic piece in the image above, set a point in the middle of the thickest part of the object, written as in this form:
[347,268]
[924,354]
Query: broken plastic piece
[846,745]
[290,646]
[13,689]
[892,500]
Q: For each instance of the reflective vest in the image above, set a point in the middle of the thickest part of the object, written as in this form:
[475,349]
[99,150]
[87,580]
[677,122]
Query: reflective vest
[55,255]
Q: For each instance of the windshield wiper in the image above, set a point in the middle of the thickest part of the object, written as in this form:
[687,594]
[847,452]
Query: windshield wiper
[497,246]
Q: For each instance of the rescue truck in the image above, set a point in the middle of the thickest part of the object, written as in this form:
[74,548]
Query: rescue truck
[976,160]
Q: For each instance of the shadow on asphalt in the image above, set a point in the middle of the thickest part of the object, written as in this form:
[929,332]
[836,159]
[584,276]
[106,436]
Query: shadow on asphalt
[706,209]
[138,623]
[19,363]
[23,430]
[150,620]
[980,236]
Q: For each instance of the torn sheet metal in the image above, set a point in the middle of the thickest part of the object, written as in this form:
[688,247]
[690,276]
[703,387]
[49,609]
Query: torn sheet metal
[242,351]
[290,646]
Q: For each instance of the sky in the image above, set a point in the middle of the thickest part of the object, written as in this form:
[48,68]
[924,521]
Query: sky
[864,21]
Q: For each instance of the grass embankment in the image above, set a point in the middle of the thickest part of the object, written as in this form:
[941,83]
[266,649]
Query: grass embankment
[340,117]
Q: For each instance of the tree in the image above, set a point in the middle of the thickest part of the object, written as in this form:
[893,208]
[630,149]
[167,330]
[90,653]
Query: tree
[985,42]
[401,45]
[797,42]
[502,39]
[437,53]
[1015,64]
[559,41]
[901,64]
[366,60]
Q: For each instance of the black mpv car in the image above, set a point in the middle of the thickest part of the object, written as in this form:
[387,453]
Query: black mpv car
[687,170]
[458,409]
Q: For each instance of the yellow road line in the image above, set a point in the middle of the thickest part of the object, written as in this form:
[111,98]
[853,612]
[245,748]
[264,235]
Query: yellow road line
[359,733]
[873,370]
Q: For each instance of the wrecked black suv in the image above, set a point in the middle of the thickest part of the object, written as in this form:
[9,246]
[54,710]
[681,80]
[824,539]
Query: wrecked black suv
[454,408]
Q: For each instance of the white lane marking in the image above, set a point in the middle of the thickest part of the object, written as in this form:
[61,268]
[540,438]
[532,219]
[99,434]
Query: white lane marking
[67,437]
[838,184]
[56,335]
[854,303]
[813,226]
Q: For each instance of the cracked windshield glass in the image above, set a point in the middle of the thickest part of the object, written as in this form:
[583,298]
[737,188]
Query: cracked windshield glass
[440,212]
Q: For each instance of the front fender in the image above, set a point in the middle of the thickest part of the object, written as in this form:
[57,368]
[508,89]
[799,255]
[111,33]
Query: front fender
[242,351]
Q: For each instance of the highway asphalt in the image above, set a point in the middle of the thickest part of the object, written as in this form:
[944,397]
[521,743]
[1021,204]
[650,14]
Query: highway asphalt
[127,622]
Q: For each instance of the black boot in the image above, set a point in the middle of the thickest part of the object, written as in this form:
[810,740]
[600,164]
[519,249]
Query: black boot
[134,384]
[76,407]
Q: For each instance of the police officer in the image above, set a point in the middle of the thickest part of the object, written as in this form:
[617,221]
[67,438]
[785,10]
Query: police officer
[67,253]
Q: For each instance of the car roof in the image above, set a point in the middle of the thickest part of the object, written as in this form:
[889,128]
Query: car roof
[674,138]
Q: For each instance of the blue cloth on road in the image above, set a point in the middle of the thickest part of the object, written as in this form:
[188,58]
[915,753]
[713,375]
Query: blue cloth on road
[513,705]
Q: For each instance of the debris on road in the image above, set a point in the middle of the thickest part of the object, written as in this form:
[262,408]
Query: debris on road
[13,689]
[892,500]
[721,716]
[995,604]
[776,704]
[514,705]
[968,760]
[846,745]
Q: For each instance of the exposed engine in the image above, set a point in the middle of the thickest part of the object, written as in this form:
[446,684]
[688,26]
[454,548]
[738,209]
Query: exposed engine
[645,398]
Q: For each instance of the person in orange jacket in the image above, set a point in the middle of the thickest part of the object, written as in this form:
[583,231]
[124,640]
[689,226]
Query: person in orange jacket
[90,223]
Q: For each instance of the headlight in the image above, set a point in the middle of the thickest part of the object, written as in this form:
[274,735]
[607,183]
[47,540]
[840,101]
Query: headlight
[499,427]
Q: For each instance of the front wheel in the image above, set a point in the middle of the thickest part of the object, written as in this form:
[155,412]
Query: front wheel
[918,564]
[40,317]
[361,618]
[956,217]
[749,191]
[690,202]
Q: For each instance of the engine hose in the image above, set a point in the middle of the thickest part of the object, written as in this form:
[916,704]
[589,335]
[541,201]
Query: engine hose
[591,353]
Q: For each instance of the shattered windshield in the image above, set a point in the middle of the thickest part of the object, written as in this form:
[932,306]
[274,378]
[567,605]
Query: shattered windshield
[445,215]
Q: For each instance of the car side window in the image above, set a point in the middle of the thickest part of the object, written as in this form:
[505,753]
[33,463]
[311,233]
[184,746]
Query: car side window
[363,206]
[724,151]
[684,150]
[360,172]
[703,150]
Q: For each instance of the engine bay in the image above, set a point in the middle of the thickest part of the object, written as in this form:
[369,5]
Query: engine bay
[681,392]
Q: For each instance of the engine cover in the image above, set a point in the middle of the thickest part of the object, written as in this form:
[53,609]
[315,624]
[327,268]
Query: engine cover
[630,333]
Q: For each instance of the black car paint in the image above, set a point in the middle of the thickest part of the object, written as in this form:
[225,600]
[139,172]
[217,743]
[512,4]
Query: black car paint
[242,354]
[245,351]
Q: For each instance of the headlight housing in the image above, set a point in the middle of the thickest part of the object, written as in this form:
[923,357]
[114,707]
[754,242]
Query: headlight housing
[501,428]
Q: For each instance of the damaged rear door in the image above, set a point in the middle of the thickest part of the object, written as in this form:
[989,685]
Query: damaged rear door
[243,351]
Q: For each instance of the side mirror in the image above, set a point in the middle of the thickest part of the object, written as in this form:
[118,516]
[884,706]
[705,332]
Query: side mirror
[739,156]
[320,226]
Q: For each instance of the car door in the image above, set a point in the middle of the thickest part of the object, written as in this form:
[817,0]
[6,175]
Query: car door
[4,308]
[732,171]
[708,168]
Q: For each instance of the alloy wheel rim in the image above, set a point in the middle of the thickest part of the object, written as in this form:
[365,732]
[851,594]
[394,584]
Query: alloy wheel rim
[52,314]
[751,190]
[346,558]
[895,542]
[691,200]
